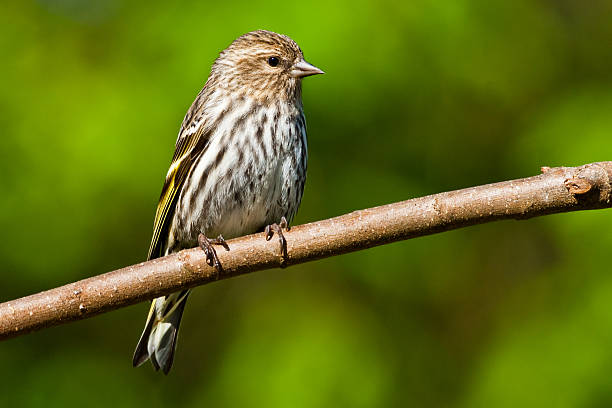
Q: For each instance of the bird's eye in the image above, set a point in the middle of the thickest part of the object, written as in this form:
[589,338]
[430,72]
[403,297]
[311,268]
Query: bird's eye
[273,61]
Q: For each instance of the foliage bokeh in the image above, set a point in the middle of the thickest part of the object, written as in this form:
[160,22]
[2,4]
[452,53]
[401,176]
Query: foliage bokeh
[419,97]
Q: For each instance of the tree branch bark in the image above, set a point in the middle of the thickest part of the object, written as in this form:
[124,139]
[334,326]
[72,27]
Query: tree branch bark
[556,190]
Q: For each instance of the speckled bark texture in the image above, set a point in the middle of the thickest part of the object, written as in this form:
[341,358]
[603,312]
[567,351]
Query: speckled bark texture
[556,190]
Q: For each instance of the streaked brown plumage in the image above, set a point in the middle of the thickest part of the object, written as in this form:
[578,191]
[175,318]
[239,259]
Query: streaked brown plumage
[239,165]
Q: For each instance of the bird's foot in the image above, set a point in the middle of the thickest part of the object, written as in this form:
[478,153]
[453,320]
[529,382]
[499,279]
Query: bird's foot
[209,250]
[278,229]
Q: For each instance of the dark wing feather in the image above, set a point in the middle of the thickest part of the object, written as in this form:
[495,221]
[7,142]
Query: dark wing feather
[191,142]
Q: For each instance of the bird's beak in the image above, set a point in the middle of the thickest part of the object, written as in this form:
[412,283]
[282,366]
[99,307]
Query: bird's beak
[303,69]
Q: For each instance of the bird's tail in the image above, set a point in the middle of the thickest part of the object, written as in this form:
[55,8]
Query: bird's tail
[158,339]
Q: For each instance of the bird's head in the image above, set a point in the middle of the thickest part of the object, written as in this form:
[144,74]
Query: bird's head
[264,65]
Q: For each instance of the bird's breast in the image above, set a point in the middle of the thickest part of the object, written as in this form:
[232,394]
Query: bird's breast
[251,173]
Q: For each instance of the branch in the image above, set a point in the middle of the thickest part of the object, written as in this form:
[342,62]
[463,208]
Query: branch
[561,189]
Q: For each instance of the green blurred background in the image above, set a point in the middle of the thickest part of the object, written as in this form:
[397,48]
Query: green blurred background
[418,98]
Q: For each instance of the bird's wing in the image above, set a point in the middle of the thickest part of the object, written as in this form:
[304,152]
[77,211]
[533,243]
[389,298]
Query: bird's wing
[192,140]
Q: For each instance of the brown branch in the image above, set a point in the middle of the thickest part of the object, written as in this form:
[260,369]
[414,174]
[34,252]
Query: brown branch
[556,190]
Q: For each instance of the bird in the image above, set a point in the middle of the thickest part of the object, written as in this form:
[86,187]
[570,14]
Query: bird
[239,167]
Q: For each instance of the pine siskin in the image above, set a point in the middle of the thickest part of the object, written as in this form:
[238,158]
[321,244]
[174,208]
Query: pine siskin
[239,167]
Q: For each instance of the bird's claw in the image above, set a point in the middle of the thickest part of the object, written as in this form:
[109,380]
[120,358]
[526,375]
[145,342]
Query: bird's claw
[209,250]
[278,229]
